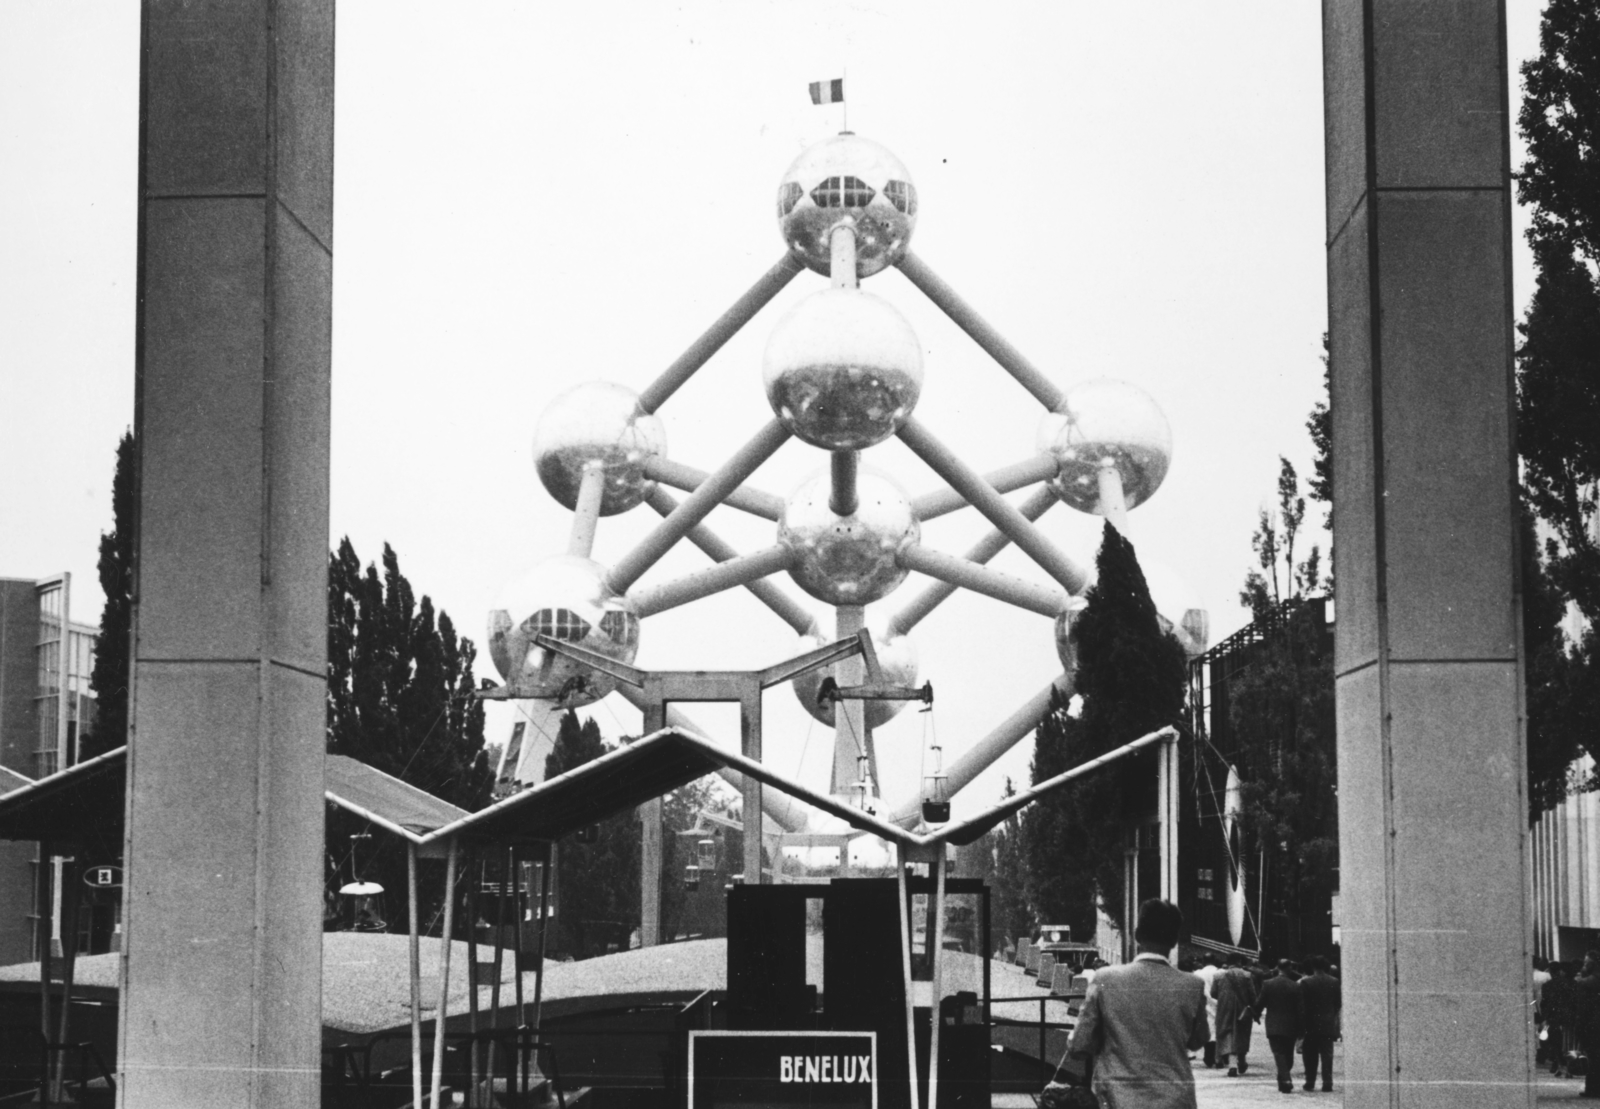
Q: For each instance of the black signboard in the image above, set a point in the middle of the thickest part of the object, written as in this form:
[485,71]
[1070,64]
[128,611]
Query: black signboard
[783,1070]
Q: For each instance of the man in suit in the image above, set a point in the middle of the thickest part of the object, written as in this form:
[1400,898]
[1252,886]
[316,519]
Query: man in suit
[1235,991]
[1319,1000]
[1140,1021]
[1280,1004]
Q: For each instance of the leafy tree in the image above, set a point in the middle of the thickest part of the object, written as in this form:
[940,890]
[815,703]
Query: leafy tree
[597,883]
[1281,716]
[1008,911]
[1131,676]
[1273,543]
[1320,426]
[109,679]
[1559,359]
[399,699]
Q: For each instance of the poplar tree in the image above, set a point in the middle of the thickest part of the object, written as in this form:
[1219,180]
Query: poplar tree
[1131,676]
[109,678]
[597,899]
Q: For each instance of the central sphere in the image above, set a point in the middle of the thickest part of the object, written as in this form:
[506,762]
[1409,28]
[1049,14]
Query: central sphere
[597,423]
[566,598]
[1105,423]
[847,178]
[848,560]
[897,659]
[843,370]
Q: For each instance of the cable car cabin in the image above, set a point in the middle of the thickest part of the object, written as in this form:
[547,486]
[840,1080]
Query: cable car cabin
[364,906]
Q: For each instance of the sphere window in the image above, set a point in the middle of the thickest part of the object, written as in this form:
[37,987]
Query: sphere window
[903,195]
[558,623]
[843,192]
[622,628]
[789,194]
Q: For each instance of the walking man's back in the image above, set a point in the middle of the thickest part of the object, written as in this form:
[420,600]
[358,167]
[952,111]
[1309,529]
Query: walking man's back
[1140,1021]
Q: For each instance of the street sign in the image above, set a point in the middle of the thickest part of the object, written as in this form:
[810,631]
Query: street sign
[780,1070]
[102,877]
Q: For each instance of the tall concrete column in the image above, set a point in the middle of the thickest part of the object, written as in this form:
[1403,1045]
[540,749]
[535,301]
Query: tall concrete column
[1432,796]
[221,979]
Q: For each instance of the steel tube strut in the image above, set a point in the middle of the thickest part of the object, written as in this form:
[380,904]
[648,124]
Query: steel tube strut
[1045,391]
[955,572]
[676,474]
[786,609]
[982,754]
[786,812]
[1000,512]
[713,579]
[586,516]
[767,286]
[842,499]
[982,551]
[1018,475]
[697,505]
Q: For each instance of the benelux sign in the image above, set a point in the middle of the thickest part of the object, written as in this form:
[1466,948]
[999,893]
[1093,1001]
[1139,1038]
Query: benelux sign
[781,1070]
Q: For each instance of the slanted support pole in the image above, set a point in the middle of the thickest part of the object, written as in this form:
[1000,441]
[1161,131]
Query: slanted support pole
[920,606]
[697,506]
[959,572]
[1045,391]
[999,511]
[742,570]
[767,286]
[768,593]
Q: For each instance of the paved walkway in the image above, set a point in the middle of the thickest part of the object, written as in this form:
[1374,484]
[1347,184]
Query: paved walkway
[1215,1090]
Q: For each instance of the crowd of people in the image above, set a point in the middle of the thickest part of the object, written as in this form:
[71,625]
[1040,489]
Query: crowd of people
[1566,999]
[1142,1023]
[1296,1004]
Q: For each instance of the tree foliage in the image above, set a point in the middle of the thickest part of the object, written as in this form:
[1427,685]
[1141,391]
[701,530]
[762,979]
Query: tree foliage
[399,699]
[1276,577]
[112,662]
[1559,359]
[597,883]
[1131,676]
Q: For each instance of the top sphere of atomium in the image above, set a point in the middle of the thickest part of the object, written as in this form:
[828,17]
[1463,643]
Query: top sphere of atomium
[566,598]
[597,423]
[850,178]
[1105,423]
[843,370]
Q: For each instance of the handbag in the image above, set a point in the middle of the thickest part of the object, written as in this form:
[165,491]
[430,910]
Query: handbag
[1058,1095]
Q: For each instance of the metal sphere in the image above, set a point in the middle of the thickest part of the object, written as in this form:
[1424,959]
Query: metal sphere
[843,370]
[597,422]
[1106,423]
[844,178]
[897,659]
[1066,650]
[848,560]
[565,597]
[1178,607]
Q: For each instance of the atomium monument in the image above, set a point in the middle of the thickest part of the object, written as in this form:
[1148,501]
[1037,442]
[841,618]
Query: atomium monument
[843,372]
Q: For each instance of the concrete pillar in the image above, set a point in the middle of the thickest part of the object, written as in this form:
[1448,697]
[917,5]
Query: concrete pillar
[1432,798]
[652,846]
[221,980]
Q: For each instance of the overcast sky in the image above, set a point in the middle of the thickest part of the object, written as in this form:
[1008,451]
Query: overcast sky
[531,196]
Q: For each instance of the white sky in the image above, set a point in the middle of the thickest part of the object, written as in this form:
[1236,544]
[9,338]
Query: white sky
[529,196]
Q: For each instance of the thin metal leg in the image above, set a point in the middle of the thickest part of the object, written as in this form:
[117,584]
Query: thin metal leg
[416,976]
[936,910]
[905,970]
[442,1012]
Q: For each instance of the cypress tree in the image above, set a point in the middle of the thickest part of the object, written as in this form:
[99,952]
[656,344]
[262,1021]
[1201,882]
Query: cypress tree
[109,679]
[1131,678]
[399,699]
[597,900]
